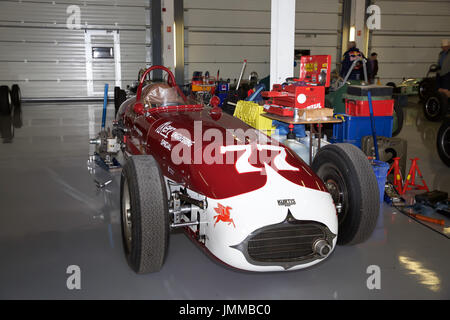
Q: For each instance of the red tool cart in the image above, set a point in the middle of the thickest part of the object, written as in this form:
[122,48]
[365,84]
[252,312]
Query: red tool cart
[306,92]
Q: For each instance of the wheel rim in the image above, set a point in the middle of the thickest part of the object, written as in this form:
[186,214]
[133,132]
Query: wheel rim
[422,90]
[335,184]
[432,106]
[445,142]
[126,216]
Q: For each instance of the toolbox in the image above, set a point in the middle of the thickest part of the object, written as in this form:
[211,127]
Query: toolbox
[353,129]
[305,92]
[360,108]
[375,90]
[250,113]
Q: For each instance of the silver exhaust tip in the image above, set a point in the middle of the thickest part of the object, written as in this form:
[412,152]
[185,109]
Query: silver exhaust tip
[95,141]
[321,247]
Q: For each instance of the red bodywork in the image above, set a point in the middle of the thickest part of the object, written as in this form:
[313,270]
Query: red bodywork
[309,90]
[152,131]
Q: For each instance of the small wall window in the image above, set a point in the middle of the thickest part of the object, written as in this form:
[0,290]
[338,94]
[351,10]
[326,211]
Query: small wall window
[102,52]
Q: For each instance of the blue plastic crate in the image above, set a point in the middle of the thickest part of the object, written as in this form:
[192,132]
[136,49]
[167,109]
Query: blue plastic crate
[353,129]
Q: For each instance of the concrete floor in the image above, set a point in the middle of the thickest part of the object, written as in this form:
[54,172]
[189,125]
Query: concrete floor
[52,216]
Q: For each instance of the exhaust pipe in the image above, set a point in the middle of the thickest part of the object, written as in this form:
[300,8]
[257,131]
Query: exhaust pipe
[322,248]
[95,141]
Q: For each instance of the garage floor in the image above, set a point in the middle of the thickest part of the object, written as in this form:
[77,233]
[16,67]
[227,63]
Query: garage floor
[52,216]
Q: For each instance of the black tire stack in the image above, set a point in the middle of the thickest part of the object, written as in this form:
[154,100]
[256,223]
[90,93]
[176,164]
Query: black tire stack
[10,111]
[119,97]
[443,142]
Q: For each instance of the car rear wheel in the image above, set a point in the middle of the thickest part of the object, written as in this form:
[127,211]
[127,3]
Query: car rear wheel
[5,101]
[443,142]
[144,214]
[398,119]
[119,97]
[16,96]
[435,107]
[426,87]
[7,127]
[350,179]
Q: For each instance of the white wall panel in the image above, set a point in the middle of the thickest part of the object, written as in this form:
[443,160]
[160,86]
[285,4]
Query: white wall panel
[221,34]
[47,59]
[409,39]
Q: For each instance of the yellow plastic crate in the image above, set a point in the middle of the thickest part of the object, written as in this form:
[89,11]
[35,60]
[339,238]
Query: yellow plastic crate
[250,113]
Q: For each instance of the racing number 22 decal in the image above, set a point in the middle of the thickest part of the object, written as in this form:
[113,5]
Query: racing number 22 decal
[243,164]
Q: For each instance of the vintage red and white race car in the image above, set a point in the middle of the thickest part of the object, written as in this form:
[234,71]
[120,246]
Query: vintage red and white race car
[243,197]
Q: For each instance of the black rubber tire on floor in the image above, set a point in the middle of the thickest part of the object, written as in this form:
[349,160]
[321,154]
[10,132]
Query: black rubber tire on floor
[119,97]
[349,168]
[6,128]
[443,142]
[17,118]
[149,214]
[122,97]
[435,107]
[116,100]
[398,110]
[5,101]
[16,96]
[426,87]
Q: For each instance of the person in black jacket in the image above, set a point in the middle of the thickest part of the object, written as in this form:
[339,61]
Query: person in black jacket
[443,76]
[372,67]
[351,55]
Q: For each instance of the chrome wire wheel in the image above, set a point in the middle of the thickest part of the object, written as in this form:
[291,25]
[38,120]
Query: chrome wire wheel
[126,217]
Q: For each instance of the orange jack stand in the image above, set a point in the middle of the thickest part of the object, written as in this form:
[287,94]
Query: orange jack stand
[397,175]
[411,178]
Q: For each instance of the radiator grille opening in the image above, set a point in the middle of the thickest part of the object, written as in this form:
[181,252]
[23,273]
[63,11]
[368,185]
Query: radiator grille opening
[285,243]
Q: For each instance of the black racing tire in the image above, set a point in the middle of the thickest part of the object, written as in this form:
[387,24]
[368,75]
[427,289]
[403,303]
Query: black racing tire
[398,110]
[426,87]
[5,101]
[6,128]
[391,84]
[122,97]
[145,230]
[443,142]
[435,107]
[17,118]
[16,96]
[351,181]
[119,97]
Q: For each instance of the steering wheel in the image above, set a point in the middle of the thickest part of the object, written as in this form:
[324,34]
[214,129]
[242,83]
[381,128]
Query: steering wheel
[170,81]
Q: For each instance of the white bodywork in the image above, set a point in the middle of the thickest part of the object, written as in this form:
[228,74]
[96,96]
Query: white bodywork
[254,210]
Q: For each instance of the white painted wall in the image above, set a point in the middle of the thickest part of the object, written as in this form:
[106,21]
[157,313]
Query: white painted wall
[46,59]
[409,39]
[221,34]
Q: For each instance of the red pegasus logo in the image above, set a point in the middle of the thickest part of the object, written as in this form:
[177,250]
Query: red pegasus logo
[223,215]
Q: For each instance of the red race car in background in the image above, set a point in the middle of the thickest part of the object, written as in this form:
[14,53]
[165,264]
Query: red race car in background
[243,197]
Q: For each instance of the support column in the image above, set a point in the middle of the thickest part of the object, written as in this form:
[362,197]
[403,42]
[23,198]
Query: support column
[179,41]
[354,18]
[168,32]
[282,41]
[155,10]
[360,25]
